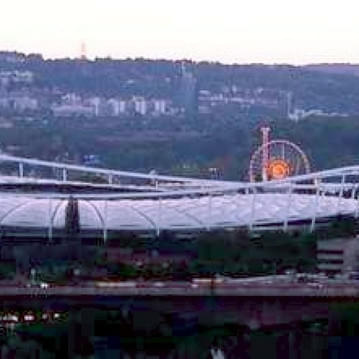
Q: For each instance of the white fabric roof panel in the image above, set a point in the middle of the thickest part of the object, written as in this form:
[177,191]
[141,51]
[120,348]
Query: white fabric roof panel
[173,214]
[123,215]
[58,210]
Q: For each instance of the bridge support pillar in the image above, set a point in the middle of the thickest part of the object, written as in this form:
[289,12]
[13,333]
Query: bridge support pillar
[80,331]
[50,219]
[315,209]
[110,179]
[105,214]
[287,212]
[72,333]
[64,174]
[341,194]
[159,217]
[253,210]
[21,170]
[293,345]
[334,323]
[209,211]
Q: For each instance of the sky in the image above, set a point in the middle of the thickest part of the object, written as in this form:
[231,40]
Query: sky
[229,31]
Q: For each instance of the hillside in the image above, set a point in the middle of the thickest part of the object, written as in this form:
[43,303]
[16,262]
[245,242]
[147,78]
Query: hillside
[232,101]
[250,89]
[344,69]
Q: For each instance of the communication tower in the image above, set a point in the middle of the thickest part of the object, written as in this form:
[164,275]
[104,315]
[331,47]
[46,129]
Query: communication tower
[83,53]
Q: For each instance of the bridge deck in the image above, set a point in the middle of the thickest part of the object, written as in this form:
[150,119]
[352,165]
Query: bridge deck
[284,291]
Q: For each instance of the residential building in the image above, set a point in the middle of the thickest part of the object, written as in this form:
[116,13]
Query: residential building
[72,110]
[336,256]
[300,114]
[123,106]
[117,107]
[159,107]
[73,105]
[71,99]
[22,103]
[95,102]
[12,56]
[140,105]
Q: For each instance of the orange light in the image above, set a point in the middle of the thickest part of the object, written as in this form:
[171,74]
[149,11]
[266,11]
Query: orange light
[278,169]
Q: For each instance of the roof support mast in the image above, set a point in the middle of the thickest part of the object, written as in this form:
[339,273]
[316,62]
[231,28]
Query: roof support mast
[265,159]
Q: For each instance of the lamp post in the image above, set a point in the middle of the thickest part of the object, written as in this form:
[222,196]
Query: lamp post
[32,276]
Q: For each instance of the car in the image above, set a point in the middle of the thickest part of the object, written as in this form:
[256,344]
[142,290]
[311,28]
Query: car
[158,284]
[354,275]
[315,285]
[202,281]
[29,317]
[42,285]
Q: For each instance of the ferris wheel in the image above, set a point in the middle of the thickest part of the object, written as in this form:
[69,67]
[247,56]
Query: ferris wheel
[277,159]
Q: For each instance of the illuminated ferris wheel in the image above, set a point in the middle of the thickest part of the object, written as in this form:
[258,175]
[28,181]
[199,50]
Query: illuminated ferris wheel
[277,159]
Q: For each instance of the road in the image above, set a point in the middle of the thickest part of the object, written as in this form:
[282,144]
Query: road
[274,286]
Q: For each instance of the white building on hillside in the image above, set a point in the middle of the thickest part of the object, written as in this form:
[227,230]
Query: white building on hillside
[159,107]
[140,105]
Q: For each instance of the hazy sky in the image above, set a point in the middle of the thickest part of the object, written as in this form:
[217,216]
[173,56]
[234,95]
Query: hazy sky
[269,31]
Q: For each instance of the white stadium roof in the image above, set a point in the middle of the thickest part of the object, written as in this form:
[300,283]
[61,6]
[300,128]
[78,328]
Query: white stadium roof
[240,210]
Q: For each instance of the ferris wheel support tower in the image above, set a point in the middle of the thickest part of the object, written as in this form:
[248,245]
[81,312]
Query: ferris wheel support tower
[265,159]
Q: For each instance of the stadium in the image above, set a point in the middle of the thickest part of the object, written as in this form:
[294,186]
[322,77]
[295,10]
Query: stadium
[281,194]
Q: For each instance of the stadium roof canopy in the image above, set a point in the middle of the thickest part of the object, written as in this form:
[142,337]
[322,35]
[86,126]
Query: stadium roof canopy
[153,215]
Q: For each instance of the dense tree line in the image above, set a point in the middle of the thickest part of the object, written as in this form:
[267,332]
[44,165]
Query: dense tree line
[190,149]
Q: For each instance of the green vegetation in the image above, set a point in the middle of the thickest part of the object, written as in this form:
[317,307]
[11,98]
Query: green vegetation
[236,253]
[180,147]
[270,254]
[7,270]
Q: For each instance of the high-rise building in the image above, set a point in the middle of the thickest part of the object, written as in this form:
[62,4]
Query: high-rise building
[188,92]
[289,105]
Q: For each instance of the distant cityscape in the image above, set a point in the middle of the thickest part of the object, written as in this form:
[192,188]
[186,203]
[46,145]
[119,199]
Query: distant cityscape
[186,91]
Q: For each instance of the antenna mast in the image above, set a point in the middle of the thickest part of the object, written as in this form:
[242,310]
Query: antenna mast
[83,54]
